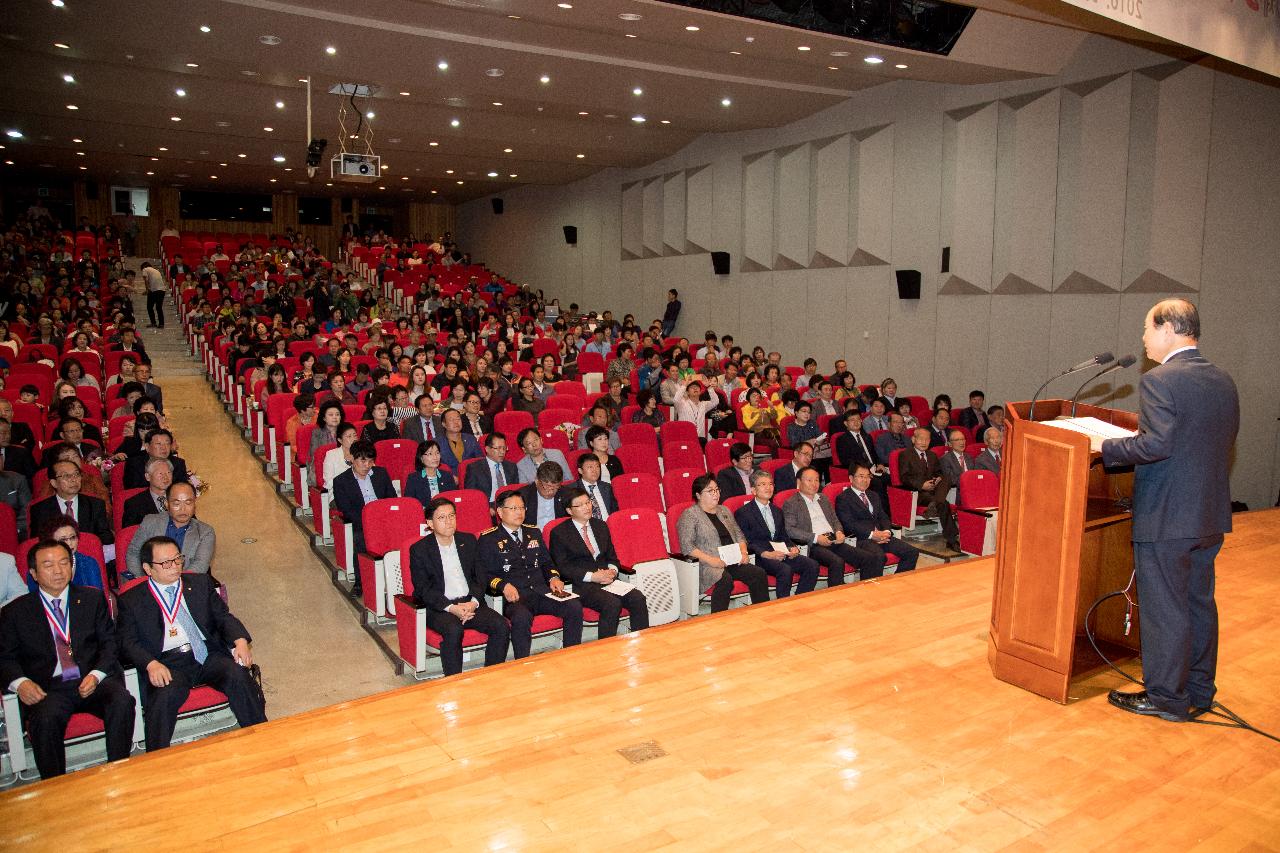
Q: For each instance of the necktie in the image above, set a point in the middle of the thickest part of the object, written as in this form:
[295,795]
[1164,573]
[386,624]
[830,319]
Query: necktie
[515,534]
[188,624]
[863,445]
[587,541]
[863,497]
[595,505]
[498,480]
[70,672]
[923,458]
[768,520]
[70,508]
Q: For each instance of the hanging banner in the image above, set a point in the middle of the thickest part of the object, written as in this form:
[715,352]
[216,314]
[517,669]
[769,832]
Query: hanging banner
[1246,32]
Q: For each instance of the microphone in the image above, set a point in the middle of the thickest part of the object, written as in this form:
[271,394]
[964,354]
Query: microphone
[1100,358]
[1127,361]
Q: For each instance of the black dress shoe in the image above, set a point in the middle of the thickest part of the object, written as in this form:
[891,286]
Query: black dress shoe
[357,591]
[1140,703]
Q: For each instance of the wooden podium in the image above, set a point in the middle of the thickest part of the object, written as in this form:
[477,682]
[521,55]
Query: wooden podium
[1061,542]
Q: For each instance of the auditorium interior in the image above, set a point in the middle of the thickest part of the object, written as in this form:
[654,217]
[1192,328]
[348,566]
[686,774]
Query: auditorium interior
[909,201]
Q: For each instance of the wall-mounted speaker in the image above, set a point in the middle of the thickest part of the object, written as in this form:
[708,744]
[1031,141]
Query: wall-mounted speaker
[571,234]
[946,259]
[497,206]
[720,262]
[908,283]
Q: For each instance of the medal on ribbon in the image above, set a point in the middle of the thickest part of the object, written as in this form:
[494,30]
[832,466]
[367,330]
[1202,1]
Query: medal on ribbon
[170,614]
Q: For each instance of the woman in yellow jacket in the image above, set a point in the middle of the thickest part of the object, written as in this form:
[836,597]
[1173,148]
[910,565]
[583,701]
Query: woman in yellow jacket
[761,418]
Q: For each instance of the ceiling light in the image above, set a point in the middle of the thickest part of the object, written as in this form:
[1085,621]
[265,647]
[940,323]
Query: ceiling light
[448,171]
[77,139]
[900,65]
[79,153]
[873,60]
[724,102]
[268,129]
[369,114]
[204,28]
[279,158]
[288,168]
[223,165]
[506,150]
[10,163]
[493,72]
[72,107]
[433,192]
[544,79]
[193,65]
[455,123]
[804,47]
[513,175]
[242,156]
[584,113]
[331,50]
[581,156]
[405,94]
[150,173]
[637,91]
[273,180]
[630,16]
[67,78]
[405,178]
[565,5]
[666,121]
[155,159]
[181,93]
[214,177]
[223,123]
[749,39]
[279,105]
[736,52]
[59,44]
[497,103]
[840,53]
[84,168]
[57,3]
[433,144]
[691,28]
[442,65]
[248,73]
[833,68]
[162,148]
[638,119]
[493,174]
[514,18]
[329,184]
[175,118]
[460,183]
[270,40]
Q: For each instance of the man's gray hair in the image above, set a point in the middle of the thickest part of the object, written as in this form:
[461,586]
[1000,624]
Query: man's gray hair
[153,461]
[759,475]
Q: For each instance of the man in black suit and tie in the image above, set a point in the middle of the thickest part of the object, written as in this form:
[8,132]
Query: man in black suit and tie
[989,458]
[176,629]
[762,524]
[360,484]
[424,426]
[855,448]
[90,513]
[863,517]
[14,457]
[493,472]
[955,461]
[603,503]
[58,653]
[894,439]
[447,583]
[159,474]
[543,500]
[786,476]
[516,565]
[735,478]
[1188,416]
[921,471]
[938,427]
[159,446]
[582,551]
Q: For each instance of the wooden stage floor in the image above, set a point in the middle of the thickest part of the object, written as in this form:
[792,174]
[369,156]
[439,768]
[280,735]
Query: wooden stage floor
[863,716]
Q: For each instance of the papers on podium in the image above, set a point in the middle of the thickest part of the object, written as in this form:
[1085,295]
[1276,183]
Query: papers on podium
[1092,427]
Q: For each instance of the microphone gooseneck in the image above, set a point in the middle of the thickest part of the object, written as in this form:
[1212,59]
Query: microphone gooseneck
[1127,361]
[1100,358]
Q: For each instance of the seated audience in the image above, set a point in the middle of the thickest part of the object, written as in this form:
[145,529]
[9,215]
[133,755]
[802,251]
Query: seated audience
[974,416]
[955,461]
[921,471]
[543,499]
[456,446]
[603,503]
[939,434]
[428,479]
[159,474]
[894,439]
[786,477]
[178,522]
[338,459]
[812,520]
[16,492]
[535,455]
[805,428]
[159,445]
[734,479]
[88,571]
[989,458]
[90,513]
[363,483]
[494,471]
[598,442]
[863,516]
[425,426]
[767,538]
[708,533]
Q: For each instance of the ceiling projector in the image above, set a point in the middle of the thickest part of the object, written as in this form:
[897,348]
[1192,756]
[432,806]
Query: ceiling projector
[356,168]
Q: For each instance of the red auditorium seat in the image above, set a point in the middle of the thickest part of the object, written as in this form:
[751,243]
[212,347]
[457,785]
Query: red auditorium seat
[388,523]
[633,491]
[472,507]
[640,458]
[677,485]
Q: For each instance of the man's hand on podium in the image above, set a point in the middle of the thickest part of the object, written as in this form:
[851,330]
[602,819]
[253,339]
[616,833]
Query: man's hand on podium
[1095,443]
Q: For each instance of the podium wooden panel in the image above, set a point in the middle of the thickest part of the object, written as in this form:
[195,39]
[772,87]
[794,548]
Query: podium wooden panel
[1062,541]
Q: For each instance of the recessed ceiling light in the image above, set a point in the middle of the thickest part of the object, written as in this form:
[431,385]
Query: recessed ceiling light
[58,3]
[433,192]
[155,159]
[448,171]
[162,148]
[666,121]
[630,35]
[79,153]
[455,123]
[67,78]
[273,180]
[637,91]
[72,107]
[10,163]
[222,164]
[804,47]
[493,174]
[442,65]
[59,44]
[506,150]
[839,53]
[150,173]
[242,156]
[514,18]
[630,16]
[175,118]
[749,39]
[279,105]
[724,102]
[405,94]
[497,103]
[584,113]
[331,50]
[181,93]
[565,5]
[493,72]
[735,53]
[581,156]
[288,168]
[223,123]
[513,175]
[873,60]
[193,65]
[544,79]
[204,28]
[279,158]
[638,119]
[460,183]
[369,114]
[249,73]
[833,68]
[900,65]
[268,129]
[84,168]
[405,178]
[270,40]
[433,144]
[329,184]
[610,115]
[214,177]
[77,139]
[691,28]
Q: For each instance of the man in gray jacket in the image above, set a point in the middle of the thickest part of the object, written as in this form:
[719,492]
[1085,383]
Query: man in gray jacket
[194,537]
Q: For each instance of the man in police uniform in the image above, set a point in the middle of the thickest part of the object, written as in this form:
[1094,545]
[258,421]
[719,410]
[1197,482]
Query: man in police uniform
[516,566]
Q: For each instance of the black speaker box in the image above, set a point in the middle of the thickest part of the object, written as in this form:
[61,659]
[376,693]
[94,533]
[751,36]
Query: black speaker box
[908,283]
[946,259]
[571,234]
[720,262]
[497,206]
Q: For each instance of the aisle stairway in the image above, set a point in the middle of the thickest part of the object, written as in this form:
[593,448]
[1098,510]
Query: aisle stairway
[300,624]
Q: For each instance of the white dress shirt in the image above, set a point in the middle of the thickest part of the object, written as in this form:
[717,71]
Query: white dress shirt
[817,518]
[455,580]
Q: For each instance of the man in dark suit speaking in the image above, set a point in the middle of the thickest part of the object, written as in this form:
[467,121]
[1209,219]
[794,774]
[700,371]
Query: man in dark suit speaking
[1188,416]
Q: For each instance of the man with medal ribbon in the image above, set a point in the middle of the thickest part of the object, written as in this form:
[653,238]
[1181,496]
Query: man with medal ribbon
[58,653]
[176,629]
